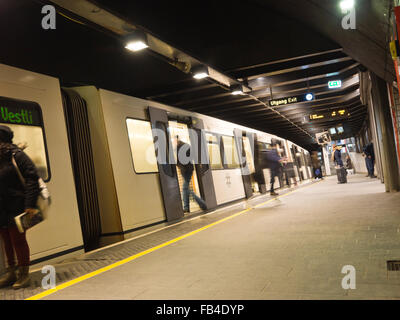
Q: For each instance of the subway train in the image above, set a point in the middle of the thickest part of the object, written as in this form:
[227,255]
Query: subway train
[97,153]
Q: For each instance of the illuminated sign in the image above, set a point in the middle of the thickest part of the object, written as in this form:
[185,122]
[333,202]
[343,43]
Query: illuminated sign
[334,84]
[290,100]
[19,112]
[316,116]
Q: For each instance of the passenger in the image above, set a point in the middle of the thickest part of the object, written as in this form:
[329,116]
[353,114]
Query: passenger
[316,165]
[14,200]
[275,164]
[186,168]
[369,153]
[337,156]
[349,165]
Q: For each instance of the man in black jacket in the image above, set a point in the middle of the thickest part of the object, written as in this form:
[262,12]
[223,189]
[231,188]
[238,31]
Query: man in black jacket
[15,198]
[186,167]
[370,159]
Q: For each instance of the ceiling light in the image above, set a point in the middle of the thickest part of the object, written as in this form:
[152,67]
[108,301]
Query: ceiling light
[200,72]
[136,41]
[346,5]
[237,89]
[309,96]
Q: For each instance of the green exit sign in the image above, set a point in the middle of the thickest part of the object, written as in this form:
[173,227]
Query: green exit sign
[335,84]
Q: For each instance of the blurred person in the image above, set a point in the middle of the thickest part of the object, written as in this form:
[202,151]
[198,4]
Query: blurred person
[275,163]
[186,167]
[369,153]
[15,198]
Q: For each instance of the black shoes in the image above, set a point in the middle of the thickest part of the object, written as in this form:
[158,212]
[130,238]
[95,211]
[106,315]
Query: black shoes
[274,194]
[9,277]
[23,279]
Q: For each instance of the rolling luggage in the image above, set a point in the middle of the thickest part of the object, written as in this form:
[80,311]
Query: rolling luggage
[341,175]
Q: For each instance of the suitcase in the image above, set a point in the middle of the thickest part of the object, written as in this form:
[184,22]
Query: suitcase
[341,175]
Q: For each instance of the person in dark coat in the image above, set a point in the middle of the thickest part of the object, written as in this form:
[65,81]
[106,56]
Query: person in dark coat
[337,156]
[186,167]
[368,151]
[275,165]
[15,198]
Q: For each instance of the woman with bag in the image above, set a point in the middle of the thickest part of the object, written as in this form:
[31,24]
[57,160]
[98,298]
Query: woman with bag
[15,198]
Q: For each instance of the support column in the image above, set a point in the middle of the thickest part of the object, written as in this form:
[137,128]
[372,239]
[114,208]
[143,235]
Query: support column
[385,126]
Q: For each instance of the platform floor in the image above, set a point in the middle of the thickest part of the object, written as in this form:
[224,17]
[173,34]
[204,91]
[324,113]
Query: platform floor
[292,247]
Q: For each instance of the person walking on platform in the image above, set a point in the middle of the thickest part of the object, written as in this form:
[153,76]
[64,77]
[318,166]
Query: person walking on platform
[275,166]
[316,165]
[14,200]
[186,167]
[340,170]
[368,151]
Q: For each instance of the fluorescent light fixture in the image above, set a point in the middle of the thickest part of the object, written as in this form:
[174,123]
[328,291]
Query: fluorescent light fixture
[237,89]
[201,75]
[346,5]
[136,46]
[200,72]
[136,41]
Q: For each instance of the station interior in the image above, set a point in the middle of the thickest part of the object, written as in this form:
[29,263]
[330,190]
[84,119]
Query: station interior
[290,111]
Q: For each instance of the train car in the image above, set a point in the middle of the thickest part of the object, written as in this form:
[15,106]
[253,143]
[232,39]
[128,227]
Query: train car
[31,105]
[98,152]
[136,191]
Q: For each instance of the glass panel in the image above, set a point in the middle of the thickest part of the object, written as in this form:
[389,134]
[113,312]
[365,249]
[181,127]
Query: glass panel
[231,156]
[30,138]
[142,146]
[214,152]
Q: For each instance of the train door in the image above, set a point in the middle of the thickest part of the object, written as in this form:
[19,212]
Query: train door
[167,171]
[203,165]
[250,159]
[259,149]
[238,135]
[296,162]
[181,129]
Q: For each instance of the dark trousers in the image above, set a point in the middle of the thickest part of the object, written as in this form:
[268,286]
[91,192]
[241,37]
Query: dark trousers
[370,166]
[187,191]
[274,173]
[14,241]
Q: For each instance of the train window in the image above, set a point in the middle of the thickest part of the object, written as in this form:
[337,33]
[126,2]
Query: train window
[214,152]
[231,155]
[142,146]
[31,139]
[24,118]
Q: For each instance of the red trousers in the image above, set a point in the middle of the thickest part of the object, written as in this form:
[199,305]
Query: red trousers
[14,241]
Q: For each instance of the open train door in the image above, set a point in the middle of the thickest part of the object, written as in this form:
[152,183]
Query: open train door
[167,171]
[203,169]
[238,134]
[259,149]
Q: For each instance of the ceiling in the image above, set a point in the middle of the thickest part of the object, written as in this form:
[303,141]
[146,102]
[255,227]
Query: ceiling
[279,48]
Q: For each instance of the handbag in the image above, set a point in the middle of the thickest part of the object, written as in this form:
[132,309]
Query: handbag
[44,199]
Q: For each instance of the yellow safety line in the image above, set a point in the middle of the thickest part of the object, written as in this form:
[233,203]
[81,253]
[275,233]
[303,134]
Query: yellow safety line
[140,254]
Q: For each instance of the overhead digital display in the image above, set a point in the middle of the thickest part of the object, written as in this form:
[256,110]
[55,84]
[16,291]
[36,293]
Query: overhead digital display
[341,113]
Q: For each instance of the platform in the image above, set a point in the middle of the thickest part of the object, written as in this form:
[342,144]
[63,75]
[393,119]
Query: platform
[290,247]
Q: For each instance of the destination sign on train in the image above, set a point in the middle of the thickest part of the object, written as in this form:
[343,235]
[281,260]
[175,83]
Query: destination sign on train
[21,112]
[290,100]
